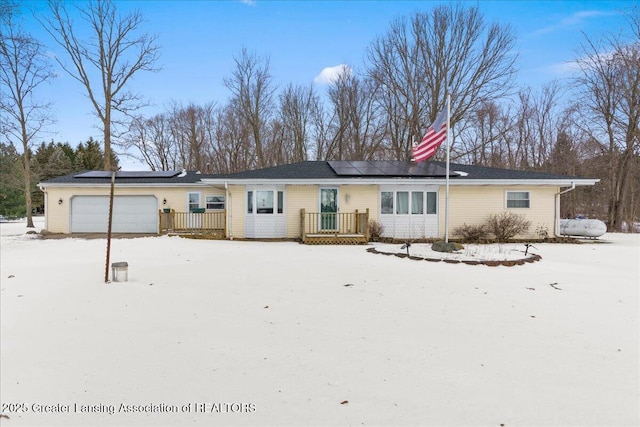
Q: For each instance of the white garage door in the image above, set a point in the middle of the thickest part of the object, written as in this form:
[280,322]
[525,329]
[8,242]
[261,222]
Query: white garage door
[131,214]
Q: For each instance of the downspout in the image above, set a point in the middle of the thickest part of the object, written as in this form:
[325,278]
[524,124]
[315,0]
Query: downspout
[557,215]
[46,207]
[230,222]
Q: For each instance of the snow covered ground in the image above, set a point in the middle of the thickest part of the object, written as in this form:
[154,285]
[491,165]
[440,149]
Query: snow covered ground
[282,334]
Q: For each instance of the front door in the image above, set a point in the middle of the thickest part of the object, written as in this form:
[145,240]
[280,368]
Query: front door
[193,207]
[328,208]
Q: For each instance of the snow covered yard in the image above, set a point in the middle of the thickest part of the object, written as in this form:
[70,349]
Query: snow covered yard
[264,333]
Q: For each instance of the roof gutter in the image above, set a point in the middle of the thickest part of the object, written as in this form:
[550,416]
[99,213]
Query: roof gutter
[230,210]
[416,181]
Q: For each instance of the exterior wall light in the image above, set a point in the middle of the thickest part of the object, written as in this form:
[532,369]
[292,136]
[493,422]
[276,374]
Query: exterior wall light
[164,201]
[60,201]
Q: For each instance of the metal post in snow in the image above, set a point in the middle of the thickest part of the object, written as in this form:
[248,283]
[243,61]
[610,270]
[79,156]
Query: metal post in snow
[106,267]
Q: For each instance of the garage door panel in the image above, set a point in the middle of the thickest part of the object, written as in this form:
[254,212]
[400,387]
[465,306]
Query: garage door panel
[131,214]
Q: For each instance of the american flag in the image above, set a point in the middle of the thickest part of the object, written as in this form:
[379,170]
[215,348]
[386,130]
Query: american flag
[436,135]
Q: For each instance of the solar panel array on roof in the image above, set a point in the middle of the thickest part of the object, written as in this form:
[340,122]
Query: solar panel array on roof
[366,168]
[128,174]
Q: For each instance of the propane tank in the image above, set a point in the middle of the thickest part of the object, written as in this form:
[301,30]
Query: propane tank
[582,227]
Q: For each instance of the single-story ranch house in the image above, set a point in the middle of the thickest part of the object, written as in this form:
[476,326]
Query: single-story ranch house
[307,200]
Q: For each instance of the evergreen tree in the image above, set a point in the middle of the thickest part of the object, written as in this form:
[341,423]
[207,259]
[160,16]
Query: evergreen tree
[12,200]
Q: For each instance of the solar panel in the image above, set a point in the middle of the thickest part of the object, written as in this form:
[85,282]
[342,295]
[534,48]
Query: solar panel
[344,170]
[128,174]
[391,168]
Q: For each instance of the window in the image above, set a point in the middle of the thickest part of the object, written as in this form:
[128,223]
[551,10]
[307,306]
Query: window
[194,201]
[432,202]
[386,202]
[417,202]
[215,202]
[518,199]
[402,202]
[280,202]
[264,202]
[408,202]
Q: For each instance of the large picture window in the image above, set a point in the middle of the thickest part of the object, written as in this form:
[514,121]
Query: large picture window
[408,202]
[266,202]
[518,199]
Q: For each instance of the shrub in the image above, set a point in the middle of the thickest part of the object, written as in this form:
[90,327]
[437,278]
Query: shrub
[543,232]
[471,233]
[507,225]
[375,230]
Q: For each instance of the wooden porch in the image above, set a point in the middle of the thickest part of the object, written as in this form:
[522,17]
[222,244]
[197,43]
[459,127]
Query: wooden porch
[211,225]
[334,228]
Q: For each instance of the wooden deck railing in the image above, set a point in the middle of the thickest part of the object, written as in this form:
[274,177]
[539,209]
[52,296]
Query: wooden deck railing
[192,222]
[334,224]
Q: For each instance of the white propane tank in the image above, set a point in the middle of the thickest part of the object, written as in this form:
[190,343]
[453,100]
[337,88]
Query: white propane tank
[582,227]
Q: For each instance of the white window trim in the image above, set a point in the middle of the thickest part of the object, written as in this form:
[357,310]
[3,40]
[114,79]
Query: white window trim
[199,193]
[275,189]
[337,197]
[408,190]
[224,203]
[506,199]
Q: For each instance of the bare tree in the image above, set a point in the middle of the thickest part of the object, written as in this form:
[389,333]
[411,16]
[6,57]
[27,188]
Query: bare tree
[233,151]
[419,59]
[485,142]
[188,128]
[296,108]
[153,140]
[253,95]
[106,62]
[357,127]
[609,92]
[23,68]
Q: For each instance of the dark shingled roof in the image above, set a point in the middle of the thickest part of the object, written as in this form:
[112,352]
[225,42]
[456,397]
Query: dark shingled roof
[483,172]
[319,170]
[432,169]
[130,178]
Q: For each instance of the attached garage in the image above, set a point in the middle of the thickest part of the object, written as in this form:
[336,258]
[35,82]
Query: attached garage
[131,214]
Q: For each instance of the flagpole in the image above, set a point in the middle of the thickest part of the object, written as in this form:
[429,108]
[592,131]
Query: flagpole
[446,200]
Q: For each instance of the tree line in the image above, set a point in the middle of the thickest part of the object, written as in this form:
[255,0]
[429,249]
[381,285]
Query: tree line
[585,126]
[47,160]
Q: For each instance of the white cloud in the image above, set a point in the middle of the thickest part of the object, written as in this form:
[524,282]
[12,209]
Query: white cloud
[563,69]
[328,74]
[575,20]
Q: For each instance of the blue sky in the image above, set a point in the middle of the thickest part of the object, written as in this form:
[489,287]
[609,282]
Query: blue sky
[199,40]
